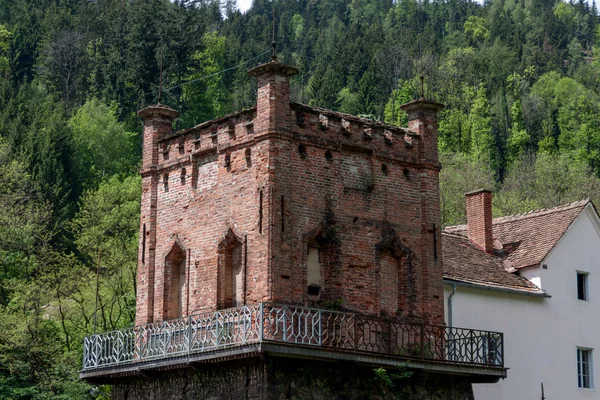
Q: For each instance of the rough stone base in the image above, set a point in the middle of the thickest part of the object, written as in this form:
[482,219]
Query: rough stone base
[275,378]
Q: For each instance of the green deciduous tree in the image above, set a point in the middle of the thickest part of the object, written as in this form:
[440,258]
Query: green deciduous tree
[24,222]
[102,145]
[347,101]
[482,142]
[518,138]
[545,180]
[206,95]
[393,114]
[475,28]
[106,229]
[460,174]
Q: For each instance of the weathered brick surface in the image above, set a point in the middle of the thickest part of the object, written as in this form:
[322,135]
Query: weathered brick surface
[258,188]
[479,219]
[279,379]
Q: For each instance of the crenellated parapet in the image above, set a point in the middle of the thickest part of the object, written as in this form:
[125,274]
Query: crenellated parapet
[314,127]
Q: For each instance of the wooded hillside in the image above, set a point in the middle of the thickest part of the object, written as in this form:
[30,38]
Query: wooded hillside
[520,80]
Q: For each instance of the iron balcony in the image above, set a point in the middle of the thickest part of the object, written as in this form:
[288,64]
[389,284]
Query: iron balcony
[293,331]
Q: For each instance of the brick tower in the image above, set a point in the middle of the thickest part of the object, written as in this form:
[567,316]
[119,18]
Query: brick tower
[283,233]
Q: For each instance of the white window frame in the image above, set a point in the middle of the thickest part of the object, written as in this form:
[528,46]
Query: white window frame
[586,283]
[580,367]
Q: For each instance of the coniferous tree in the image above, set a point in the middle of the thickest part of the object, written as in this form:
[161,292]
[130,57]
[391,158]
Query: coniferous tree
[520,81]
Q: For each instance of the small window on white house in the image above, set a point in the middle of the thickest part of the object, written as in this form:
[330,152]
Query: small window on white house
[582,285]
[585,368]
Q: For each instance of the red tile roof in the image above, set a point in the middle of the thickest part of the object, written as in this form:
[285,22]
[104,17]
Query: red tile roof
[467,263]
[526,239]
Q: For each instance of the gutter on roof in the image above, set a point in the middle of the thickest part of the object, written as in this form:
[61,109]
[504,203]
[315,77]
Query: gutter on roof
[496,289]
[531,265]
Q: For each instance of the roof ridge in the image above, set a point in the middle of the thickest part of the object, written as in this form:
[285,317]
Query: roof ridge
[472,244]
[528,214]
[541,211]
[450,228]
[453,234]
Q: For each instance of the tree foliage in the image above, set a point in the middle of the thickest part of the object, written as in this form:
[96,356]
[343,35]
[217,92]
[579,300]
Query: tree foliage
[4,46]
[520,81]
[102,146]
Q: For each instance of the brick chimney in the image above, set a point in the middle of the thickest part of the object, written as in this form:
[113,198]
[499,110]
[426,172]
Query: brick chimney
[479,219]
[273,98]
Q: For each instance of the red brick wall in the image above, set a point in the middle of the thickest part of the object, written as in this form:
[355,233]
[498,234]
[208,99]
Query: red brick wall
[201,210]
[479,219]
[366,194]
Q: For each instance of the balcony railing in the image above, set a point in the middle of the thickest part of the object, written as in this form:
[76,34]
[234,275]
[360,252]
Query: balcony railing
[299,326]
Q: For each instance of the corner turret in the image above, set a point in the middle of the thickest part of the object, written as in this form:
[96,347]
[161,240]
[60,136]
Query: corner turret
[422,119]
[158,123]
[273,98]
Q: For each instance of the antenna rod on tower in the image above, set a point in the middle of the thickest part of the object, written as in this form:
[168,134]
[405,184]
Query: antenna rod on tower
[160,83]
[273,42]
[543,397]
[422,77]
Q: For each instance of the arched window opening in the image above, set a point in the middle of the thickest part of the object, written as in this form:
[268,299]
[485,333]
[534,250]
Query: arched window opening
[322,252]
[314,277]
[230,280]
[175,281]
[397,286]
[390,291]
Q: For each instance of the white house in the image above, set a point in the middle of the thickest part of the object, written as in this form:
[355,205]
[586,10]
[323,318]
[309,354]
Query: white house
[535,277]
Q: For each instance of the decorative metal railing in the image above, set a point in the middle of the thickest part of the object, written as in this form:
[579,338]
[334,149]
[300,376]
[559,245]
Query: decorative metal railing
[263,322]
